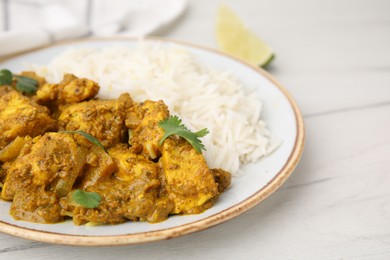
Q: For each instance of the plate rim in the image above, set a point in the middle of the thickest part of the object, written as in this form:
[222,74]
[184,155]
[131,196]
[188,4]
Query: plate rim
[172,232]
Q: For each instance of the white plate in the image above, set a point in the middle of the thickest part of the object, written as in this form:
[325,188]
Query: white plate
[259,181]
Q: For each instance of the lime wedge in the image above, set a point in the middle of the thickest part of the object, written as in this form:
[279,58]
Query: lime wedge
[234,38]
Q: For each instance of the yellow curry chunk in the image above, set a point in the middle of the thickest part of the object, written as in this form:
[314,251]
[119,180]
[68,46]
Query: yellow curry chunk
[70,90]
[55,156]
[189,182]
[144,175]
[131,166]
[54,161]
[103,119]
[20,116]
[143,122]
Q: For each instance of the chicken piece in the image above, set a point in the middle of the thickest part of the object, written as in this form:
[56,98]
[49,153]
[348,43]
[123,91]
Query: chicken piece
[143,178]
[131,166]
[35,204]
[132,193]
[54,161]
[188,180]
[19,116]
[103,119]
[70,90]
[78,90]
[143,121]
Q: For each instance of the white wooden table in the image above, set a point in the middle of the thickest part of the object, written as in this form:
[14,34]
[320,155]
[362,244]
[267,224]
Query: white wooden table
[334,57]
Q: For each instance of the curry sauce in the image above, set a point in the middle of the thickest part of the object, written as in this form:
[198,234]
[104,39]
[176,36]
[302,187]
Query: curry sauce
[138,179]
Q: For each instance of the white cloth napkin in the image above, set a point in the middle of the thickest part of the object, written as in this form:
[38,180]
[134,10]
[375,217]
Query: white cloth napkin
[27,24]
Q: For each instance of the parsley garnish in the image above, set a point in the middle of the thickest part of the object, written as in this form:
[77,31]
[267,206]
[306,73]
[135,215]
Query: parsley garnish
[86,199]
[91,138]
[5,77]
[173,126]
[24,84]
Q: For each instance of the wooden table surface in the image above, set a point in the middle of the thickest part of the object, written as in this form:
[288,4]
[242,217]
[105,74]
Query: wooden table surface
[334,57]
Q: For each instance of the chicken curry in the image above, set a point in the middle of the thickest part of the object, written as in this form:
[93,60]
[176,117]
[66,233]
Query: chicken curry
[44,162]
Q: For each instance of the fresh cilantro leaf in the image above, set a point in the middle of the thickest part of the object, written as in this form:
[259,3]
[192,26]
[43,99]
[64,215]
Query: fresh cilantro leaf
[91,138]
[173,126]
[86,199]
[202,132]
[5,77]
[26,85]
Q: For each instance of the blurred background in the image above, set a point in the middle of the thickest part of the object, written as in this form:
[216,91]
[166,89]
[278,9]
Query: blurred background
[344,37]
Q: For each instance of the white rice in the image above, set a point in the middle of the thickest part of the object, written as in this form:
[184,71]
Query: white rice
[203,97]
